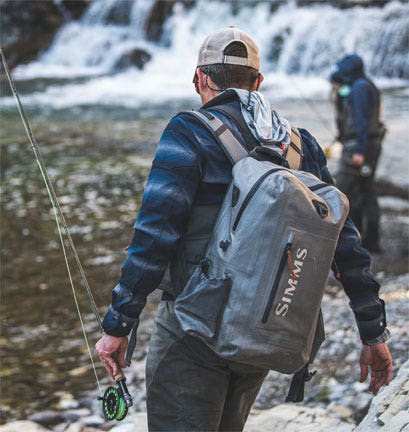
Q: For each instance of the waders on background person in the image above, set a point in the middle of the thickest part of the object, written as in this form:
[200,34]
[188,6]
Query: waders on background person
[188,386]
[357,105]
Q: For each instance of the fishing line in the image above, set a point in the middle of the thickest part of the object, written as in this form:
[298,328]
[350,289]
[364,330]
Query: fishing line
[59,218]
[313,108]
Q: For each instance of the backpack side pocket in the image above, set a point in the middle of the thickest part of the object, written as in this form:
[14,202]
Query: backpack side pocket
[200,305]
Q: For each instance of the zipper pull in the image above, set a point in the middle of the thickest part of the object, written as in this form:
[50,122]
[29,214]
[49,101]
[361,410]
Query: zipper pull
[290,261]
[288,247]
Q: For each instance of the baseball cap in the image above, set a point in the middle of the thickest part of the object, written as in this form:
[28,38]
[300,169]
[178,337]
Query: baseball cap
[211,51]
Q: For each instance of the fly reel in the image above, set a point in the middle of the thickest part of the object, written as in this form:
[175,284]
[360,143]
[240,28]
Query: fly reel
[116,401]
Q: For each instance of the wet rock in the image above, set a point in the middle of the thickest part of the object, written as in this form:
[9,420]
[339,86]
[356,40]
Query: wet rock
[47,418]
[136,57]
[160,11]
[27,28]
[75,8]
[119,13]
[22,425]
[154,24]
[389,410]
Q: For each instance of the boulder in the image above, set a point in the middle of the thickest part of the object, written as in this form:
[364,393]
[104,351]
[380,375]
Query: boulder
[137,57]
[29,27]
[160,11]
[75,7]
[389,410]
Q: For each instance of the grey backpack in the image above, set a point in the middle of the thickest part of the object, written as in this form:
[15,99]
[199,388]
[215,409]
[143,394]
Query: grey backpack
[255,297]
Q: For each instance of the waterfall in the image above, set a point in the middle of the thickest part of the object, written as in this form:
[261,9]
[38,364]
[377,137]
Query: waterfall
[112,46]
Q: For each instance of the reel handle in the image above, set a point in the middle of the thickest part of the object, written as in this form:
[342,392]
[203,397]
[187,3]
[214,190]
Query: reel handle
[120,375]
[121,381]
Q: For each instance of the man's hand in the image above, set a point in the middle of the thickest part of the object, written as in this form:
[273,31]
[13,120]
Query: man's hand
[357,159]
[112,351]
[379,360]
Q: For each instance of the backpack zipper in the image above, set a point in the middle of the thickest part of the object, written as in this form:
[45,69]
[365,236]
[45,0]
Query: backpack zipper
[250,195]
[256,186]
[277,278]
[318,186]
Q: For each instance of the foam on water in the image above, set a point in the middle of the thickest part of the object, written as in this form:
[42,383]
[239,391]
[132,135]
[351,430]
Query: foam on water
[299,47]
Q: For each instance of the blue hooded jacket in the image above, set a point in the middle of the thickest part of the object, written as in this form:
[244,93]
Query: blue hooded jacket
[362,121]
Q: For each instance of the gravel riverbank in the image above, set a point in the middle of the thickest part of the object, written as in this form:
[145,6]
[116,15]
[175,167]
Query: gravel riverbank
[334,398]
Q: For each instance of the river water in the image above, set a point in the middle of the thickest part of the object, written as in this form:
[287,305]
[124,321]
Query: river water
[98,160]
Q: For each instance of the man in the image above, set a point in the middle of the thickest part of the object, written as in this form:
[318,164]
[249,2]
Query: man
[357,103]
[189,387]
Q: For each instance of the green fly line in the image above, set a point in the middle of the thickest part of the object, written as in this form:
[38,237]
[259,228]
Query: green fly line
[62,226]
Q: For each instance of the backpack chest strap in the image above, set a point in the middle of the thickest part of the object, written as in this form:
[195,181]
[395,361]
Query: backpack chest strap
[230,144]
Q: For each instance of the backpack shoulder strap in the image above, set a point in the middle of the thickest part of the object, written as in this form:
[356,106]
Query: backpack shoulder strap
[250,142]
[234,149]
[224,136]
[294,153]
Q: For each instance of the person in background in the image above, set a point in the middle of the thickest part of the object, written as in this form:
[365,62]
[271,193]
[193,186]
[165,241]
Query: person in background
[188,386]
[357,105]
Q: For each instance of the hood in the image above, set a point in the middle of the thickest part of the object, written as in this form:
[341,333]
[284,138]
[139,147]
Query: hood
[264,123]
[349,68]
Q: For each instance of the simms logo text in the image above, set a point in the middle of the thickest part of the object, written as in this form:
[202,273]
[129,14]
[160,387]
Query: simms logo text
[283,307]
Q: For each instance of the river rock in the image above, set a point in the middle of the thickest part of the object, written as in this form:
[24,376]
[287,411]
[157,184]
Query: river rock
[136,57]
[76,414]
[93,421]
[292,418]
[22,425]
[47,418]
[134,423]
[389,410]
[67,401]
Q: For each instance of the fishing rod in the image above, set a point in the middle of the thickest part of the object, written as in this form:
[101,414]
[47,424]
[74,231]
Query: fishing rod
[115,400]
